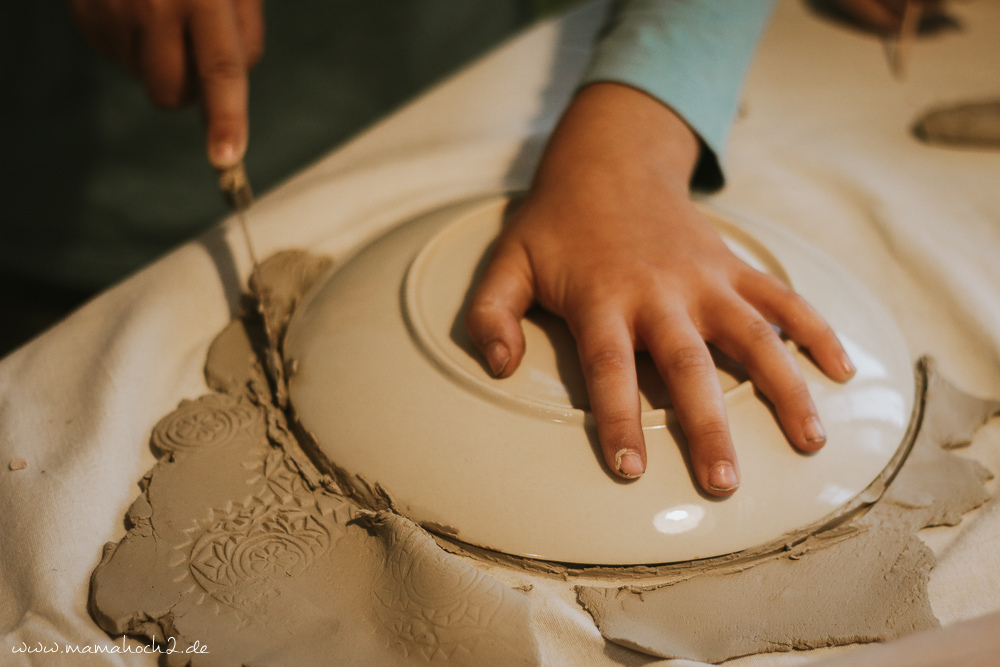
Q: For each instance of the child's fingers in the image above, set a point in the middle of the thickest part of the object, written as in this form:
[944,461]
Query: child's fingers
[686,366]
[778,303]
[747,337]
[222,73]
[607,355]
[493,318]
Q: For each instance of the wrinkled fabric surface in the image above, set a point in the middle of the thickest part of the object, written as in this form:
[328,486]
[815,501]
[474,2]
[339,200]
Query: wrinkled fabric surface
[822,148]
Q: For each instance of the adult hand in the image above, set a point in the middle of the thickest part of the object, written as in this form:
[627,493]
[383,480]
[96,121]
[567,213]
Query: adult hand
[885,16]
[609,239]
[183,49]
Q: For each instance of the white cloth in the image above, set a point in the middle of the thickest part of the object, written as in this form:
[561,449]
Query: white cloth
[823,149]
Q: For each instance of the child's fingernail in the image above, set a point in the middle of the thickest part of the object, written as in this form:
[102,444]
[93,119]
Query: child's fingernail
[629,463]
[813,431]
[723,477]
[849,368]
[497,356]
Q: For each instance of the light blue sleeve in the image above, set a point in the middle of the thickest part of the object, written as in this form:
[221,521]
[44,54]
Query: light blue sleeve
[692,55]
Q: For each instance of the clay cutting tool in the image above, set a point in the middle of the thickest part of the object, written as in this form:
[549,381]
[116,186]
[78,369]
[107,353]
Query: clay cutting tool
[236,189]
[907,33]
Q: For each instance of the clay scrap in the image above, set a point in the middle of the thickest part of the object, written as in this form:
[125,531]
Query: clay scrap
[861,581]
[971,124]
[238,545]
[228,546]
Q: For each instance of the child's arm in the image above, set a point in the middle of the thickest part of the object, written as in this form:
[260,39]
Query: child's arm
[184,49]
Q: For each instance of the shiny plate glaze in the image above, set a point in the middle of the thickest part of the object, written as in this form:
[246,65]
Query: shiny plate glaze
[392,389]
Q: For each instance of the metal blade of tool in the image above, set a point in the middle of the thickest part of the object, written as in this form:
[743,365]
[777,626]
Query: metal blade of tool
[235,188]
[898,45]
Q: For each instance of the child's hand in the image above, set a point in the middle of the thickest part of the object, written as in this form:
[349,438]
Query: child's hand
[609,240]
[184,48]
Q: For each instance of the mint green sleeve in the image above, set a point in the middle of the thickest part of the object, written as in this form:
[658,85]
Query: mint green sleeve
[692,55]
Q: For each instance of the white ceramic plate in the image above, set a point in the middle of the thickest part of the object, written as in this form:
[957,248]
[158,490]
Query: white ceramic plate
[390,386]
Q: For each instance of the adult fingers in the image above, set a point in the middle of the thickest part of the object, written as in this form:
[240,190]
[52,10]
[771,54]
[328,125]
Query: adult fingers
[686,366]
[111,29]
[222,74]
[607,355]
[250,22]
[87,18]
[777,303]
[163,62]
[493,318]
[747,337]
[884,17]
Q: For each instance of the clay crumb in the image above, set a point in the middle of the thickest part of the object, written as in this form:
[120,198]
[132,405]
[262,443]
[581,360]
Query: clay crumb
[17,464]
[440,529]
